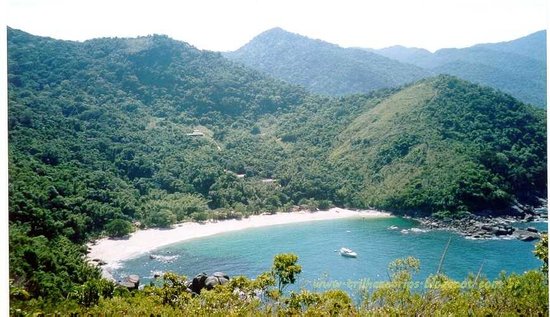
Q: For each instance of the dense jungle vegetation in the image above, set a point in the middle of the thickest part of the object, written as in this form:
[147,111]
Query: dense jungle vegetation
[100,139]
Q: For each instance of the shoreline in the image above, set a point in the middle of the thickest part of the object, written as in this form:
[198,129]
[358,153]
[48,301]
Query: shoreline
[114,251]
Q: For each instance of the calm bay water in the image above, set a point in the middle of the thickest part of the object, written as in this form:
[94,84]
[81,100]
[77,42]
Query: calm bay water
[250,252]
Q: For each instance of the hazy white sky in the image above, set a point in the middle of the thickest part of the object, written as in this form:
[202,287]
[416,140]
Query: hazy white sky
[228,24]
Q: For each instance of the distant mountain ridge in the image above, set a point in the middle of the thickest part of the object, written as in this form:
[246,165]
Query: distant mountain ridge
[323,67]
[531,46]
[517,67]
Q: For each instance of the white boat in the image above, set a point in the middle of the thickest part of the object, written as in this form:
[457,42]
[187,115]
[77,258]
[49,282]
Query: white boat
[348,253]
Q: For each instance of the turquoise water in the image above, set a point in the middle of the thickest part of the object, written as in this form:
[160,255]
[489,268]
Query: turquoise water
[250,252]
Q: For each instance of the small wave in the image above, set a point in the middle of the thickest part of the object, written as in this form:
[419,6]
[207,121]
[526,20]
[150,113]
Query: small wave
[495,238]
[418,230]
[164,258]
[155,274]
[414,230]
[113,266]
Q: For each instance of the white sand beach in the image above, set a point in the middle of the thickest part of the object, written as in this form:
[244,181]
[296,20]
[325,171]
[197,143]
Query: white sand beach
[114,251]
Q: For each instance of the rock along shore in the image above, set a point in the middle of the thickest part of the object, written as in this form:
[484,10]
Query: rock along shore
[487,227]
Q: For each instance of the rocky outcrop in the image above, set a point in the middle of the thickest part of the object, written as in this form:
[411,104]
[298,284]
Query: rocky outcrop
[527,235]
[203,281]
[479,227]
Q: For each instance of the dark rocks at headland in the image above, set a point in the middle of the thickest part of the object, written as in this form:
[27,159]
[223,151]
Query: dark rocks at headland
[486,227]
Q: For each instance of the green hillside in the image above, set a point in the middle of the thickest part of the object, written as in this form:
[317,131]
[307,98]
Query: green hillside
[111,131]
[445,144]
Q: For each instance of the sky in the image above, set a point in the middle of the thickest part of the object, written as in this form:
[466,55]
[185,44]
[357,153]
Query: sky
[224,25]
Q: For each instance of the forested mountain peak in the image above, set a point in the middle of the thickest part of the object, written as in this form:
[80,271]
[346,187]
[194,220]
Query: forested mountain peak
[170,67]
[320,66]
[140,44]
[278,37]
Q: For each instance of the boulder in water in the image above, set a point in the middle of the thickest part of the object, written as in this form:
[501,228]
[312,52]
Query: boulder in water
[527,238]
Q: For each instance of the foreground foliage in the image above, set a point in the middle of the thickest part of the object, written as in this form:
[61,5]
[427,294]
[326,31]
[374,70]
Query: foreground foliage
[525,294]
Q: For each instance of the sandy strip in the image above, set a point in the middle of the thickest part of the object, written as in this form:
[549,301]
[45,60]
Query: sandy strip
[143,241]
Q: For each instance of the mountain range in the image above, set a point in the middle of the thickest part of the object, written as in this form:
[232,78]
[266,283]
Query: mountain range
[516,67]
